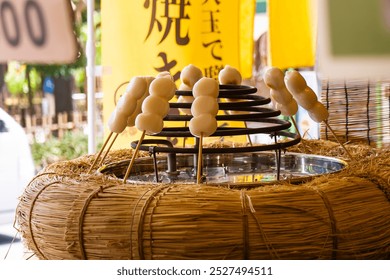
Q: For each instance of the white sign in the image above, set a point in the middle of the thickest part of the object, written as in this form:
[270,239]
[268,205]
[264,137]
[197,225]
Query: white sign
[37,31]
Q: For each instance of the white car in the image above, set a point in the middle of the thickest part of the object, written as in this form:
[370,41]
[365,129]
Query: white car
[16,166]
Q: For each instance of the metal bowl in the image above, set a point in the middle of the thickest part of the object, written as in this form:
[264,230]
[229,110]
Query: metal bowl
[242,169]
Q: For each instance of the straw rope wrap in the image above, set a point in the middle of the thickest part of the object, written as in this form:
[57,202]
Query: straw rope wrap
[65,214]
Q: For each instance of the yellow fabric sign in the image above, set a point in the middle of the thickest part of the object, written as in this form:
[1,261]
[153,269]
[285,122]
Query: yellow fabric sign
[150,36]
[292,33]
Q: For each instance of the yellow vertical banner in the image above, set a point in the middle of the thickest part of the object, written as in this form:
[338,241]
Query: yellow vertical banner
[292,33]
[147,37]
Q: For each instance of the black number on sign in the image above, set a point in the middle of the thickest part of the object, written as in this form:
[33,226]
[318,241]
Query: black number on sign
[4,8]
[32,8]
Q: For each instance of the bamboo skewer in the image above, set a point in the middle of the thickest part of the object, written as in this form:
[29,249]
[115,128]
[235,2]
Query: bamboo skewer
[297,129]
[337,139]
[134,156]
[200,160]
[296,126]
[108,150]
[100,152]
[137,88]
[248,136]
[185,138]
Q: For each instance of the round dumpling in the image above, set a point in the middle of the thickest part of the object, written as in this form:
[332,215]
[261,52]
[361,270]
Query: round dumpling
[206,87]
[117,122]
[155,105]
[294,81]
[318,112]
[274,78]
[204,105]
[162,87]
[190,75]
[136,87]
[203,125]
[151,123]
[229,76]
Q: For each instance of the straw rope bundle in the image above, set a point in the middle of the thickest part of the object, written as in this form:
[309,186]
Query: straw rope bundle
[66,214]
[359,111]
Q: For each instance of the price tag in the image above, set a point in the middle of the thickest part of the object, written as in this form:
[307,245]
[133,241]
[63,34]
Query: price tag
[37,31]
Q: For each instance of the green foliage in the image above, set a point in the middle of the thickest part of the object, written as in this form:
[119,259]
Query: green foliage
[60,70]
[72,145]
[16,79]
[79,78]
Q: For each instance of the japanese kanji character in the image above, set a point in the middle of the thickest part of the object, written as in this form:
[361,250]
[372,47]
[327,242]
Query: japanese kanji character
[167,8]
[167,65]
[211,21]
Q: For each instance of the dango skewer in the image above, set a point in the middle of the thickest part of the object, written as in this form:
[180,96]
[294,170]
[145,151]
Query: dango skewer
[231,76]
[131,119]
[124,109]
[188,76]
[307,99]
[204,109]
[154,108]
[280,95]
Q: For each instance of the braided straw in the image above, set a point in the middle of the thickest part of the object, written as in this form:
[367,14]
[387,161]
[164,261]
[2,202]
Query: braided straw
[65,213]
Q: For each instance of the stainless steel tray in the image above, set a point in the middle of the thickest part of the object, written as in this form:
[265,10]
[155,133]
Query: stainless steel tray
[228,169]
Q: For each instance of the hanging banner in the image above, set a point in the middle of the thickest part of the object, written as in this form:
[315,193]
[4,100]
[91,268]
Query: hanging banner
[37,31]
[292,33]
[148,37]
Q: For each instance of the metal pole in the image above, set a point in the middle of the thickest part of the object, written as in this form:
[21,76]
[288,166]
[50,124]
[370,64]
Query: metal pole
[90,53]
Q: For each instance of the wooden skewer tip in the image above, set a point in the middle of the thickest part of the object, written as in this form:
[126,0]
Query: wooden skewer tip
[100,153]
[108,150]
[200,160]
[337,139]
[133,157]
